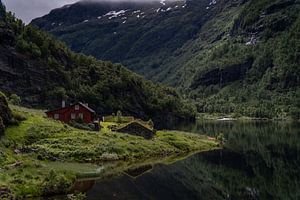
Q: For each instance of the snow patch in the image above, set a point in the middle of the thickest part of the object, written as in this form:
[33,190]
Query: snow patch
[136,11]
[213,2]
[163,2]
[114,14]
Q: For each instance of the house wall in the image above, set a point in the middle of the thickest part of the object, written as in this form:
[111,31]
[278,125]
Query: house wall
[65,114]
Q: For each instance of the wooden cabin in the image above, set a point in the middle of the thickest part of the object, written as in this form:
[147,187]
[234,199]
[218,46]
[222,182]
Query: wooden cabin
[136,128]
[73,112]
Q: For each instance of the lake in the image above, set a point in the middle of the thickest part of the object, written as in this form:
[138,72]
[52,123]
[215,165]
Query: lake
[260,160]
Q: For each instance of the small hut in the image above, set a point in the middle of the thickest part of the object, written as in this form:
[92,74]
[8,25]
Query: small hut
[136,128]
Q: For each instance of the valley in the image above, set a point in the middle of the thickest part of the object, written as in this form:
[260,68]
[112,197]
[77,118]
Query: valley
[214,52]
[160,99]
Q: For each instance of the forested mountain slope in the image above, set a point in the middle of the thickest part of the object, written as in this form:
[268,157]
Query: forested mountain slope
[230,56]
[43,71]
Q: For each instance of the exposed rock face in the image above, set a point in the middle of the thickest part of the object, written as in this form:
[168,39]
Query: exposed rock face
[223,76]
[5,113]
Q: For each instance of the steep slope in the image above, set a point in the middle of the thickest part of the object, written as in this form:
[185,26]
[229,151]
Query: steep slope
[5,114]
[143,36]
[238,56]
[43,71]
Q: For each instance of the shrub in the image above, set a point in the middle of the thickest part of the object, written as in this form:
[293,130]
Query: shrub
[15,99]
[58,183]
[119,116]
[221,139]
[150,123]
[81,126]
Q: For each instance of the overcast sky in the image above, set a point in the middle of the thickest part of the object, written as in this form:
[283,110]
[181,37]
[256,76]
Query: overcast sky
[30,9]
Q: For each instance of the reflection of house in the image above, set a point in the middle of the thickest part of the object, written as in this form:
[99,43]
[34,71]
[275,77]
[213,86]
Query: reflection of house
[136,172]
[73,112]
[136,128]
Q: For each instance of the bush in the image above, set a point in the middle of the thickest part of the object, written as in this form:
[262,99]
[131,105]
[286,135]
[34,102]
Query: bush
[119,116]
[81,125]
[221,139]
[58,183]
[15,99]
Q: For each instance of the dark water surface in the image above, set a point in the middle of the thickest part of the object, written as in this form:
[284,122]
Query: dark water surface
[261,160]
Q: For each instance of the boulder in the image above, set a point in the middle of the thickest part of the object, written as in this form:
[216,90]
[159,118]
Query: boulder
[5,113]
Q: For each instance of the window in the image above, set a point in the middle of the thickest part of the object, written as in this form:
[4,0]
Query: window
[56,116]
[73,116]
[80,115]
[76,107]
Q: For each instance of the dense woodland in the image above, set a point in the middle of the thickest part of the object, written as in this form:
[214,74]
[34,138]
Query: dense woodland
[233,57]
[43,71]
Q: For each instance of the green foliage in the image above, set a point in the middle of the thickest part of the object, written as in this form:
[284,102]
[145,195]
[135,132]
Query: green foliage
[14,99]
[150,123]
[57,183]
[295,113]
[119,116]
[221,139]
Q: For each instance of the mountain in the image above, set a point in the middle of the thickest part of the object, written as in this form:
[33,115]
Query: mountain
[229,56]
[43,71]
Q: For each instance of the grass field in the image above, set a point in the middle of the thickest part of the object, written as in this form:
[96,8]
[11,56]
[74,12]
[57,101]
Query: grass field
[41,156]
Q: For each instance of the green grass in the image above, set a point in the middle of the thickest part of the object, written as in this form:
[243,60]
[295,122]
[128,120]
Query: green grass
[53,153]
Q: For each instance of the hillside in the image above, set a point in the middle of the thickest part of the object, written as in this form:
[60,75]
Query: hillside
[230,56]
[43,71]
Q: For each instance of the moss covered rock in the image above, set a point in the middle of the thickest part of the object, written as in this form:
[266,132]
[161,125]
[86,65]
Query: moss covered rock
[5,113]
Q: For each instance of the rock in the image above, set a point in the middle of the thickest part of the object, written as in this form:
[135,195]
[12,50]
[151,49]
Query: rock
[223,76]
[17,151]
[5,114]
[2,127]
[16,164]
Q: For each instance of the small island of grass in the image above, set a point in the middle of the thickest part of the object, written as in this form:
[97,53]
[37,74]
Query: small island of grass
[41,156]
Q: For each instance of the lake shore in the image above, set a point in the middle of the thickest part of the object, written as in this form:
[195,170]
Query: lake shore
[232,117]
[37,155]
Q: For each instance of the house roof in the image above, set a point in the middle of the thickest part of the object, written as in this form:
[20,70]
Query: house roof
[134,123]
[79,103]
[88,108]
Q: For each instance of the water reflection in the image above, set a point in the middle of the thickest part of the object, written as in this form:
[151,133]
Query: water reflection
[260,161]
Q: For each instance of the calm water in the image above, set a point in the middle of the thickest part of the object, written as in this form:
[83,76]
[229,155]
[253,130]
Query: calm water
[261,161]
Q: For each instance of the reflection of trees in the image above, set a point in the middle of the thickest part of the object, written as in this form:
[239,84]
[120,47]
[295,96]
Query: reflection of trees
[270,153]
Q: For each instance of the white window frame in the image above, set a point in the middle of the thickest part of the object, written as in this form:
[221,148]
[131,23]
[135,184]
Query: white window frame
[76,107]
[56,116]
[73,116]
[80,115]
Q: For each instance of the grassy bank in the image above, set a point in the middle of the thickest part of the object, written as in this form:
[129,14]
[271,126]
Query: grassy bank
[35,153]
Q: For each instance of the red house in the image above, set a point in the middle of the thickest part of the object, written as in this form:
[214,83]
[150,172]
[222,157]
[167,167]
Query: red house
[73,112]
